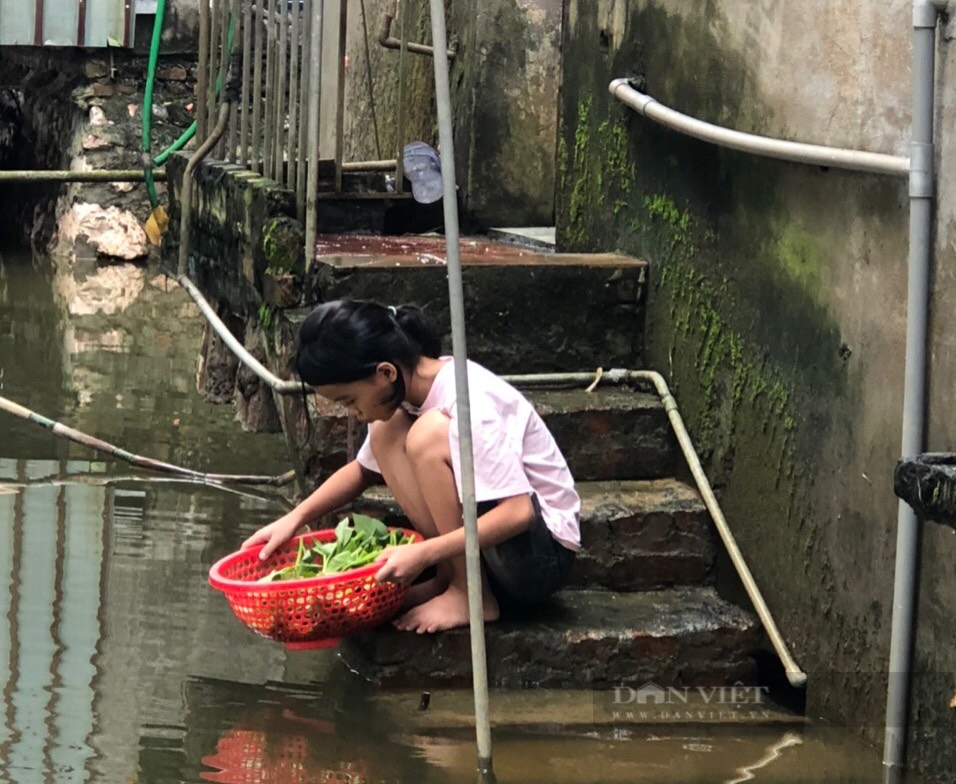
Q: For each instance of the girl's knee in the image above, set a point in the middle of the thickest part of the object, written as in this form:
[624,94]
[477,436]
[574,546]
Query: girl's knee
[385,435]
[427,438]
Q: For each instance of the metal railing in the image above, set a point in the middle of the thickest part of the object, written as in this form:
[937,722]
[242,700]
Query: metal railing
[289,121]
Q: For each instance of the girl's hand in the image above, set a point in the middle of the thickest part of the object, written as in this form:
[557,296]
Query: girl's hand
[274,535]
[402,564]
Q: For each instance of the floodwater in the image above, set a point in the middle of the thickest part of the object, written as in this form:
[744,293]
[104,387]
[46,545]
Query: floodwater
[120,664]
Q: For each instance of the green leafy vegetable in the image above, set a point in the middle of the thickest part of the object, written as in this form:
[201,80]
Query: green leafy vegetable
[358,542]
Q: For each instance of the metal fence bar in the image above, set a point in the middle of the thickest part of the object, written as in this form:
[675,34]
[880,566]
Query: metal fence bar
[246,92]
[202,80]
[340,93]
[304,92]
[292,143]
[400,123]
[223,67]
[235,24]
[268,121]
[209,106]
[256,163]
[281,80]
[315,96]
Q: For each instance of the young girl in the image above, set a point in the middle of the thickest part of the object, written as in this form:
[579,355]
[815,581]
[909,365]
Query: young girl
[383,364]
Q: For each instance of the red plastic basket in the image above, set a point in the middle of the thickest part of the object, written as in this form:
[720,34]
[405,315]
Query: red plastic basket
[309,613]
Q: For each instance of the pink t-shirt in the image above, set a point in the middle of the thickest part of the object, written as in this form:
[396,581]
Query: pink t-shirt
[515,452]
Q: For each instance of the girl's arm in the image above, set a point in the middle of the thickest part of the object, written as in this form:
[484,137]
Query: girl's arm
[339,489]
[508,518]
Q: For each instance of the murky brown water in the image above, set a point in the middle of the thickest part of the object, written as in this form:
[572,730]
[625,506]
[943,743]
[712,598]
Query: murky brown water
[119,664]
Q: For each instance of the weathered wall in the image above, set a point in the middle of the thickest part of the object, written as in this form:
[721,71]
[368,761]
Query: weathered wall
[504,79]
[777,304]
[81,110]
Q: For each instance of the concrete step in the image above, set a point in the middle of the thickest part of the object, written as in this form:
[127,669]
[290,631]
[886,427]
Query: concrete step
[611,433]
[526,310]
[594,639]
[636,535]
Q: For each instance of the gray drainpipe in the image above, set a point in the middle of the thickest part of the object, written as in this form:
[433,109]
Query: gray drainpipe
[906,582]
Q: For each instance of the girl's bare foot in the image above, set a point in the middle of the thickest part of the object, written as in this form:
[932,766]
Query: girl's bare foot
[421,592]
[448,610]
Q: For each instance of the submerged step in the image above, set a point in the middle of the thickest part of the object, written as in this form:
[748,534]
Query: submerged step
[594,639]
[635,535]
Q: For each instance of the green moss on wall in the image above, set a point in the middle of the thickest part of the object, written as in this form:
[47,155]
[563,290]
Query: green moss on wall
[597,174]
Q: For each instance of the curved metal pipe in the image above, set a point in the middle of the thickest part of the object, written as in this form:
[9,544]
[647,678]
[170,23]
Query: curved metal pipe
[795,675]
[798,152]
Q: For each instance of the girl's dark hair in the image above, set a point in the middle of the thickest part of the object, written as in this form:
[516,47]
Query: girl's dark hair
[345,340]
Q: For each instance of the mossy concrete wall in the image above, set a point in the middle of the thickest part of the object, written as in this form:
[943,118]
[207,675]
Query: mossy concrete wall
[777,306]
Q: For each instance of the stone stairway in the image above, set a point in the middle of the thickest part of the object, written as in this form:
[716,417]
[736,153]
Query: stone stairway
[641,605]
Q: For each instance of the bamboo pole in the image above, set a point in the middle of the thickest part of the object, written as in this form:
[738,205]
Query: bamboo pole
[138,460]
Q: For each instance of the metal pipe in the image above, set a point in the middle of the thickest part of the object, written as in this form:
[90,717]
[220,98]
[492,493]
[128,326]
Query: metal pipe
[99,175]
[908,531]
[272,380]
[369,166]
[385,39]
[795,675]
[798,152]
[186,197]
[456,300]
[312,145]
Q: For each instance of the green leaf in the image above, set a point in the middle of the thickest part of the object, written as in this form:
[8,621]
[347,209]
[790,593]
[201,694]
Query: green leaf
[369,526]
[343,531]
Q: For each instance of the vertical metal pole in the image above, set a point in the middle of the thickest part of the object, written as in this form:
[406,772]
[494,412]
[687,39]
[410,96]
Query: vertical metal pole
[224,53]
[292,144]
[304,93]
[202,80]
[281,88]
[247,23]
[908,533]
[340,94]
[209,99]
[456,300]
[268,118]
[312,146]
[400,122]
[257,90]
[234,24]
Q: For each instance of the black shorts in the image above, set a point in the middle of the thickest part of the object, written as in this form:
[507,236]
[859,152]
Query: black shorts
[527,568]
